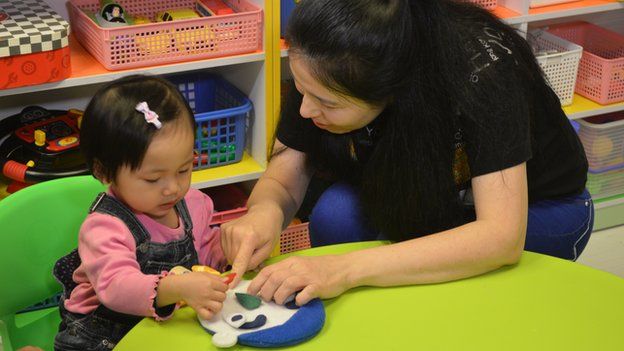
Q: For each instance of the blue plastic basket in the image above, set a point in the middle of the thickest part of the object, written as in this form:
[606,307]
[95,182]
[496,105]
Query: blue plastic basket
[286,7]
[220,111]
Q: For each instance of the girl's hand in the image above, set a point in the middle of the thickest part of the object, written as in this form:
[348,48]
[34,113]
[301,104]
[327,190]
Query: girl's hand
[321,276]
[204,292]
[249,240]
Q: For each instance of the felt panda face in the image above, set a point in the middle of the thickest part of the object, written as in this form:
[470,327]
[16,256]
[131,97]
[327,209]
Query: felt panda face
[248,320]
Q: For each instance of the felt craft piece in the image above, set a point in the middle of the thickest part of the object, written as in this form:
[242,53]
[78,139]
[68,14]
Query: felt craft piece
[291,305]
[256,323]
[235,319]
[250,302]
[272,325]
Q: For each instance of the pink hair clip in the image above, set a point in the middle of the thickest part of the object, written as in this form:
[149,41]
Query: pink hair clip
[150,116]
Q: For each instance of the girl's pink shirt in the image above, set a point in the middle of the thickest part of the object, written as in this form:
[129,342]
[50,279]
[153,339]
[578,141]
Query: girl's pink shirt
[109,272]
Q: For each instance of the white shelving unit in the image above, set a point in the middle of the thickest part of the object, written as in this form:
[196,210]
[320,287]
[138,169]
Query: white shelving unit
[560,11]
[248,72]
[159,70]
[606,13]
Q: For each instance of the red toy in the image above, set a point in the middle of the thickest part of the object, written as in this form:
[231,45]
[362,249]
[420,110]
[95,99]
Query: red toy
[213,8]
[34,44]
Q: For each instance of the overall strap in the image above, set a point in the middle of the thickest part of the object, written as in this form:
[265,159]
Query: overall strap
[183,212]
[109,205]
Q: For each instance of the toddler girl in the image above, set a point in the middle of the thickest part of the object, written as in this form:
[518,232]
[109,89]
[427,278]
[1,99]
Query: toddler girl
[137,136]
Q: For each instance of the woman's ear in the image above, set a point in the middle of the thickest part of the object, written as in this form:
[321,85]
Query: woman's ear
[99,174]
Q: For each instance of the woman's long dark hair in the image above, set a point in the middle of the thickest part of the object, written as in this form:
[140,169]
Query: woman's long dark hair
[410,55]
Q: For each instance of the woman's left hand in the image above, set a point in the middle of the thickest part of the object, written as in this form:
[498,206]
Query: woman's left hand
[321,276]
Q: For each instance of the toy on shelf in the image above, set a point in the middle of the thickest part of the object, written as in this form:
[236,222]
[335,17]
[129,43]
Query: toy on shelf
[167,41]
[38,145]
[34,44]
[213,8]
[111,14]
[176,15]
[221,113]
[141,20]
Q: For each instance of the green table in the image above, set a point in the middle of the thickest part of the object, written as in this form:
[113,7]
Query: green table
[542,303]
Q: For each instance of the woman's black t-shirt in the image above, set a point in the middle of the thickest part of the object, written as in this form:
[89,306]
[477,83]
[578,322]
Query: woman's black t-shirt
[529,126]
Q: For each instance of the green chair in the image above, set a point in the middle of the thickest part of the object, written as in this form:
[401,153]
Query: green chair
[38,225]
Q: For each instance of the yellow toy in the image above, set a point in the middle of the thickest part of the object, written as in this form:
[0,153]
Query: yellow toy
[179,270]
[602,147]
[175,15]
[141,20]
[206,269]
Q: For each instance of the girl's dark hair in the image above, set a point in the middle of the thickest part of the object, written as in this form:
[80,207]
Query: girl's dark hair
[412,56]
[113,133]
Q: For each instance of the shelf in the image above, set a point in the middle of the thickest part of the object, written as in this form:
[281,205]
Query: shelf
[87,70]
[247,169]
[283,48]
[609,212]
[504,13]
[583,107]
[566,10]
[609,201]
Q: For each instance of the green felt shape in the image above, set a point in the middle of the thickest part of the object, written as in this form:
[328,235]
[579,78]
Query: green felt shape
[250,302]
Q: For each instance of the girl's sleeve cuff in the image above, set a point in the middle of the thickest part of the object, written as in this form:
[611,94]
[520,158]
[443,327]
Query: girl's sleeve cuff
[164,312]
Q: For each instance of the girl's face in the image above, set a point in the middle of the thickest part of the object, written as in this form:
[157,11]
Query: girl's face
[330,111]
[163,177]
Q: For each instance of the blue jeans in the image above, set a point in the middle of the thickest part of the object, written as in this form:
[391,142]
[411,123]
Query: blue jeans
[559,228]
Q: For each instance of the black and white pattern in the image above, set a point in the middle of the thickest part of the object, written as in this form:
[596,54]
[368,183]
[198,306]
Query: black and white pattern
[32,26]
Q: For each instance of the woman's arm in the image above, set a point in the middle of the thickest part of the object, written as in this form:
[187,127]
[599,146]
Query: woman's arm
[283,184]
[248,240]
[495,239]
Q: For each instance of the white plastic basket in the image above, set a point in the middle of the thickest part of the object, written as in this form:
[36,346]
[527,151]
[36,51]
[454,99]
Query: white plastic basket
[561,66]
[603,139]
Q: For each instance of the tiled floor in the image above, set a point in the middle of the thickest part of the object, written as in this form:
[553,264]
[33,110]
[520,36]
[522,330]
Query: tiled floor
[605,251]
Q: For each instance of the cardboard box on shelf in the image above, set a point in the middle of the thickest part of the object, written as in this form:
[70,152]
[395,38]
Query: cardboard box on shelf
[34,44]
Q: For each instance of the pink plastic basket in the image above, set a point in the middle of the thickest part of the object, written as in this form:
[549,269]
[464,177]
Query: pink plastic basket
[486,4]
[294,238]
[601,71]
[166,42]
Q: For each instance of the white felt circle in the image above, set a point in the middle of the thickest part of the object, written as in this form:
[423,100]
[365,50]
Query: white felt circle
[224,339]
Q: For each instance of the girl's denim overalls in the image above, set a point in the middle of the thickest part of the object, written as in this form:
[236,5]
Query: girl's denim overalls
[103,328]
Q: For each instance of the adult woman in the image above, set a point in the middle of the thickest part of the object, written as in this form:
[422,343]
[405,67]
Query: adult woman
[411,105]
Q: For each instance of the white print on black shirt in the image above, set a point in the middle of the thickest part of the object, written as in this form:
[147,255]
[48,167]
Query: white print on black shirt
[489,52]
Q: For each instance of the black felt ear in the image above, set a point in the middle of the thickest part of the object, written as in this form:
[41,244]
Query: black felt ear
[290,301]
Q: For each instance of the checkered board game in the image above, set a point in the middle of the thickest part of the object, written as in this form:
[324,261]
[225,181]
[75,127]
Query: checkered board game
[30,26]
